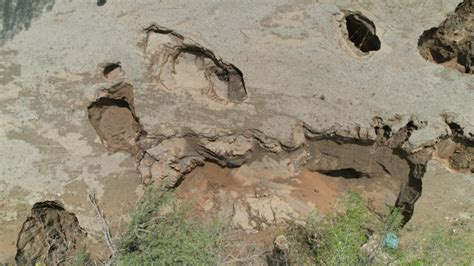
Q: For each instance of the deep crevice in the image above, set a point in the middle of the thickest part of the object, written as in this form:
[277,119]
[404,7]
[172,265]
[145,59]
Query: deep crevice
[336,156]
[347,173]
[411,190]
[331,155]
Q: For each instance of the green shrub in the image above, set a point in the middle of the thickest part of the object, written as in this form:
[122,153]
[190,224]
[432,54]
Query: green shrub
[162,231]
[332,240]
[81,259]
[388,223]
[343,234]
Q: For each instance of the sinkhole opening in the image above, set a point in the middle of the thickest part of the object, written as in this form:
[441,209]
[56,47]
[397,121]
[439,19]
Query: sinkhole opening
[114,119]
[362,32]
[112,70]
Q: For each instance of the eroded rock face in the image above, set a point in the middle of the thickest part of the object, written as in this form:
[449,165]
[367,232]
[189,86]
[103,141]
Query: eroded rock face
[390,162]
[459,155]
[453,41]
[166,161]
[183,66]
[463,159]
[113,117]
[228,150]
[49,236]
[353,160]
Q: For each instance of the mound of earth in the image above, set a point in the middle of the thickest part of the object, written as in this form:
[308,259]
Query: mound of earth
[49,236]
[452,43]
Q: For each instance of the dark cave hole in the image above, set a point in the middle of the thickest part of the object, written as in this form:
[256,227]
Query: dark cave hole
[105,101]
[456,129]
[347,173]
[361,32]
[101,2]
[111,67]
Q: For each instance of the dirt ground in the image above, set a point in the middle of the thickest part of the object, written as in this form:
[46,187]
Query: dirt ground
[310,189]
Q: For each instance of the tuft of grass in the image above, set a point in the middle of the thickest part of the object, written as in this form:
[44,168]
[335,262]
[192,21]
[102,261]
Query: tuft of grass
[162,231]
[442,245]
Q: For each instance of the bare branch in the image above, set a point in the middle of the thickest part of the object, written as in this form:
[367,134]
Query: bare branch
[105,226]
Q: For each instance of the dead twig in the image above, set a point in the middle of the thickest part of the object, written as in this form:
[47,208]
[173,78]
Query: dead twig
[232,259]
[105,226]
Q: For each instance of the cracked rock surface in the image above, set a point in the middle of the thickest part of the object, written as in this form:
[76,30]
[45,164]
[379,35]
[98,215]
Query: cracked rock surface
[266,87]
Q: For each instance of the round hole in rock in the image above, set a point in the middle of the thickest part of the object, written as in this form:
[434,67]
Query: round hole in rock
[101,2]
[361,32]
[112,70]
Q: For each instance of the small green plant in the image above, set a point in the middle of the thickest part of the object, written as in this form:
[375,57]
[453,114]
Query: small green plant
[81,259]
[343,235]
[334,239]
[162,231]
[385,225]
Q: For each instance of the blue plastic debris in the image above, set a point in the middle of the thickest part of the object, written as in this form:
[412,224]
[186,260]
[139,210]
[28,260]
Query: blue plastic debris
[391,241]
